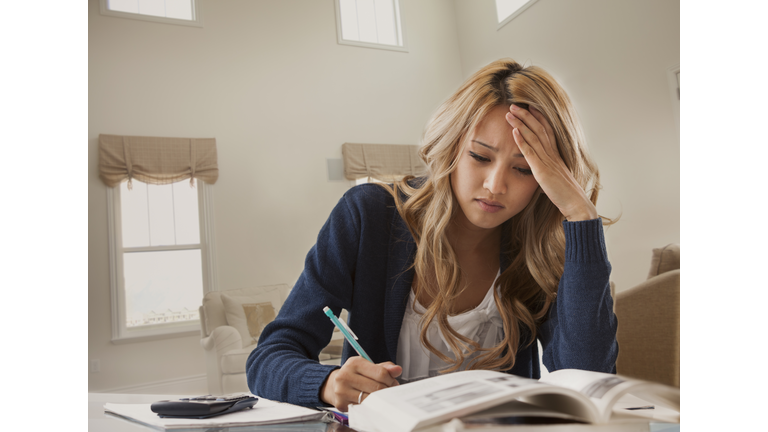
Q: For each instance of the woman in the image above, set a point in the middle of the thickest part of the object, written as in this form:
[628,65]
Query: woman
[498,246]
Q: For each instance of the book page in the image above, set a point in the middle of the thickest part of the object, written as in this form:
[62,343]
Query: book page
[438,399]
[517,412]
[604,389]
[632,406]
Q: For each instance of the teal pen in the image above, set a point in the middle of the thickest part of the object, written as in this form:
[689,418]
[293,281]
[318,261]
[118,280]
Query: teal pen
[347,332]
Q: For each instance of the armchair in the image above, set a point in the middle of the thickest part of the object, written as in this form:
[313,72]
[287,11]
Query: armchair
[229,335]
[649,322]
[231,322]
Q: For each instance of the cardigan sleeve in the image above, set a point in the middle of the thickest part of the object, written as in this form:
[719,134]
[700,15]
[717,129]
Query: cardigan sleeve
[580,332]
[284,366]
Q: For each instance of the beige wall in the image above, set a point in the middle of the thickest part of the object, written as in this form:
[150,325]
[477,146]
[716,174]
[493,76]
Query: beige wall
[268,80]
[612,57]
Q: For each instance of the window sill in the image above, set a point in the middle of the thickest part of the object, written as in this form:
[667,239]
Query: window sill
[373,45]
[158,333]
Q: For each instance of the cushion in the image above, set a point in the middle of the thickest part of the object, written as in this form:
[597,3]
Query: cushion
[214,315]
[665,259]
[248,315]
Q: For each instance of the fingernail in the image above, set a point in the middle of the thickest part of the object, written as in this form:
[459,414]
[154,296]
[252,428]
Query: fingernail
[515,107]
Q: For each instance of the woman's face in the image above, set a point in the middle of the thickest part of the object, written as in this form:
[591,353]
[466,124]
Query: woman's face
[492,181]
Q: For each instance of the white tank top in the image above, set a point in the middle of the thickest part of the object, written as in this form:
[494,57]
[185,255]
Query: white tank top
[482,324]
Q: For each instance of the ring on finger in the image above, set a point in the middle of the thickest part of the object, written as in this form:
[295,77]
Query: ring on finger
[360,398]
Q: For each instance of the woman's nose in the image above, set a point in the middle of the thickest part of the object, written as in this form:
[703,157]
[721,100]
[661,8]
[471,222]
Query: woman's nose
[496,181]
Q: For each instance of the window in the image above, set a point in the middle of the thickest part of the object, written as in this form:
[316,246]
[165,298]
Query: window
[370,23]
[161,259]
[160,232]
[507,10]
[183,12]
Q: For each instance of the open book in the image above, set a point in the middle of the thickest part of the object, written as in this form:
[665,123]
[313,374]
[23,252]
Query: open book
[566,395]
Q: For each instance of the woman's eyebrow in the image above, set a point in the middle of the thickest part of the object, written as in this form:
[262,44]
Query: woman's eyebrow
[494,149]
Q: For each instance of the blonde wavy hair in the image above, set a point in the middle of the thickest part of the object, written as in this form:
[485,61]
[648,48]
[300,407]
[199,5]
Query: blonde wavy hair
[533,240]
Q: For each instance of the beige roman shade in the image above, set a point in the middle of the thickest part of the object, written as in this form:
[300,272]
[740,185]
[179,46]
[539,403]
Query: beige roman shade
[384,162]
[156,160]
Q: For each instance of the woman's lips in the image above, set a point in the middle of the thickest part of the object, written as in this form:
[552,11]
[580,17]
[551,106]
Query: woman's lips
[489,206]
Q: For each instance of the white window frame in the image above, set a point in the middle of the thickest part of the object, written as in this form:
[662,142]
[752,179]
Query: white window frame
[196,21]
[401,32]
[514,14]
[121,333]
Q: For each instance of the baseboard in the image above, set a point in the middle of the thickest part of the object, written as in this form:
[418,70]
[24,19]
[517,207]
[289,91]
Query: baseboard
[190,385]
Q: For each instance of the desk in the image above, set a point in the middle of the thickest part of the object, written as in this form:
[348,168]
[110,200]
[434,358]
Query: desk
[98,421]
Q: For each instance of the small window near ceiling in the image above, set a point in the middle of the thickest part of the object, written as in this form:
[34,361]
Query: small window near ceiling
[507,10]
[370,23]
[183,12]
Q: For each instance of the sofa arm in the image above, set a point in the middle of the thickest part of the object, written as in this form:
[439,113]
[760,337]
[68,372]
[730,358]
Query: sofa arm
[649,329]
[222,339]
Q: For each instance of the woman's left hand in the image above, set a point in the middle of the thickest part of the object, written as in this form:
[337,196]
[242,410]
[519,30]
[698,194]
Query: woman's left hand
[536,140]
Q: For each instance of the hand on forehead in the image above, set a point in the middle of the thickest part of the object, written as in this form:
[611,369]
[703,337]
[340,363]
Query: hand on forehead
[494,133]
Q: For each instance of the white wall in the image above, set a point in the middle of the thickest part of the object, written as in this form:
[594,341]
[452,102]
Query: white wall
[268,80]
[612,58]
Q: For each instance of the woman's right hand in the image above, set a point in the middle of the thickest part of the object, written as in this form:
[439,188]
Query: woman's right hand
[343,386]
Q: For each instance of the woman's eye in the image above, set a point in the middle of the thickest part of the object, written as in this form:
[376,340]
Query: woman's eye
[478,158]
[524,171]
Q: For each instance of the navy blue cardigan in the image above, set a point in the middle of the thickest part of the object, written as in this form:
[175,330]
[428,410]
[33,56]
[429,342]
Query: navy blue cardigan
[360,263]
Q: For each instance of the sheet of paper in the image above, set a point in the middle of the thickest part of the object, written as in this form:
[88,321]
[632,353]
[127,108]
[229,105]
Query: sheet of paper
[263,413]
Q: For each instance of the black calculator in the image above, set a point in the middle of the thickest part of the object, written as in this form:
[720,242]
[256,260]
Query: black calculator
[203,406]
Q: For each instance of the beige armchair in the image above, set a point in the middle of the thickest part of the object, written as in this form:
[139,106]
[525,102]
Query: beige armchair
[231,322]
[649,322]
